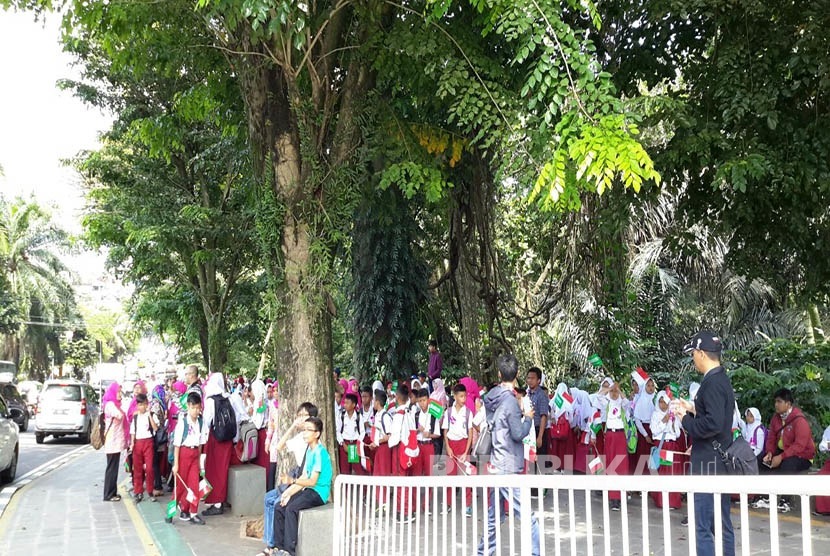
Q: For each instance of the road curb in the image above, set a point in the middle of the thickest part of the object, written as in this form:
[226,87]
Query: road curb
[8,491]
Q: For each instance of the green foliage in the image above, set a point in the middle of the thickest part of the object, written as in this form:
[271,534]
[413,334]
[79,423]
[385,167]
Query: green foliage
[388,289]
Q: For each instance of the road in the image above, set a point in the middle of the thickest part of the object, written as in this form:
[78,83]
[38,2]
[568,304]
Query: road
[33,455]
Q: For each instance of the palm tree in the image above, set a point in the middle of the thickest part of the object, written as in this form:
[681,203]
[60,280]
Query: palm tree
[39,292]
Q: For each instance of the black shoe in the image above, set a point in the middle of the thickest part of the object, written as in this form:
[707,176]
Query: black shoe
[196,520]
[184,516]
[138,498]
[213,510]
[684,521]
[615,505]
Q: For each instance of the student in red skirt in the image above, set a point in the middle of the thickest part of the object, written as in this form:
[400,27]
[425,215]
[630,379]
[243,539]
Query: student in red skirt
[218,448]
[823,502]
[666,428]
[561,444]
[586,441]
[643,408]
[615,446]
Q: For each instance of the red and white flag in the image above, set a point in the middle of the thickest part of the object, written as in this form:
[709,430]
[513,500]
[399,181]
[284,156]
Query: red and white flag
[640,376]
[408,448]
[365,460]
[595,466]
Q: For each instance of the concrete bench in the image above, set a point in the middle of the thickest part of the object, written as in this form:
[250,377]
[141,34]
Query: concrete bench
[315,531]
[246,488]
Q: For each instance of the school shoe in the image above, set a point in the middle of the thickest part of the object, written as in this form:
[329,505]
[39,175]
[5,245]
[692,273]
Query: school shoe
[761,504]
[684,521]
[184,516]
[138,498]
[405,518]
[784,507]
[196,520]
[213,510]
[447,510]
[469,512]
[615,505]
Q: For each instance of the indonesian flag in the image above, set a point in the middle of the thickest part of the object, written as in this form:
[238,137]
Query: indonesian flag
[205,488]
[595,466]
[666,457]
[191,496]
[435,409]
[563,401]
[365,460]
[408,448]
[596,422]
[640,376]
[530,449]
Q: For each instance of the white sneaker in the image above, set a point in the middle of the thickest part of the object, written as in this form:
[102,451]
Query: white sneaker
[784,507]
[447,510]
[761,504]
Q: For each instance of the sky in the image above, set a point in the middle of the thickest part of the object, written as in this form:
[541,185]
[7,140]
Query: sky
[41,125]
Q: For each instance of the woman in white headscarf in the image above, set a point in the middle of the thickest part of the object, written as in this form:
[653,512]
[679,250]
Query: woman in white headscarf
[218,452]
[665,428]
[755,433]
[259,417]
[643,409]
[439,394]
[586,441]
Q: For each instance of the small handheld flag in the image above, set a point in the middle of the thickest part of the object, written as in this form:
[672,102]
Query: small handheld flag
[351,453]
[205,488]
[172,508]
[435,409]
[666,457]
[595,360]
[640,376]
[563,401]
[596,422]
[595,466]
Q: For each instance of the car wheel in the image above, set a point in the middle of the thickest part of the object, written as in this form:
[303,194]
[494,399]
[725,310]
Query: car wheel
[7,476]
[39,437]
[84,436]
[25,426]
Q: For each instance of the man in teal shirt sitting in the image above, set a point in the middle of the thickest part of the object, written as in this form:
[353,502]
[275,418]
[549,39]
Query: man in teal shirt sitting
[312,489]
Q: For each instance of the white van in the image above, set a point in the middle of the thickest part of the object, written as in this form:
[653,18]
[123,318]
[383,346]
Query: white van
[65,407]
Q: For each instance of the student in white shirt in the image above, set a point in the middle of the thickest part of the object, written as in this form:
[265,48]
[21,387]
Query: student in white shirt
[666,428]
[458,423]
[350,432]
[142,429]
[187,461]
[615,445]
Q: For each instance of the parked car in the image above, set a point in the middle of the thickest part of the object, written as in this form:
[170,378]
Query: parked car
[9,444]
[16,405]
[30,390]
[65,407]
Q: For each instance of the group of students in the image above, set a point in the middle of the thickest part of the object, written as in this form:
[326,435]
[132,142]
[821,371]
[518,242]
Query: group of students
[187,436]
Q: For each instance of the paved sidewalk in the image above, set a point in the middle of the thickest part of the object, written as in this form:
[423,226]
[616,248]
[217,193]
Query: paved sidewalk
[62,513]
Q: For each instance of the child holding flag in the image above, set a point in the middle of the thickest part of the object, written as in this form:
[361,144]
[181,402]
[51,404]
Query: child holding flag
[665,429]
[616,446]
[562,445]
[428,424]
[350,433]
[403,442]
[458,423]
[187,460]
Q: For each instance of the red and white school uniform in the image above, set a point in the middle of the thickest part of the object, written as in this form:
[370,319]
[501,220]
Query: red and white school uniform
[142,433]
[642,411]
[457,424]
[823,502]
[615,446]
[382,458]
[422,465]
[217,456]
[189,453]
[349,432]
[402,424]
[670,433]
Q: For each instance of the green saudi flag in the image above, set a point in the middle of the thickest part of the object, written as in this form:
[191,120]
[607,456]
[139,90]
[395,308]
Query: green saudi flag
[171,509]
[351,453]
[435,409]
[595,360]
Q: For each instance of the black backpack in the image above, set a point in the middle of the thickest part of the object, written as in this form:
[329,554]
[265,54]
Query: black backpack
[224,419]
[739,458]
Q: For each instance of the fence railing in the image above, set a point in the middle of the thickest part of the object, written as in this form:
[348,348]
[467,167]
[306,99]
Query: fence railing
[573,515]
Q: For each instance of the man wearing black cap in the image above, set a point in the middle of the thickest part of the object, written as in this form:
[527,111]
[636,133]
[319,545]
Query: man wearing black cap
[706,420]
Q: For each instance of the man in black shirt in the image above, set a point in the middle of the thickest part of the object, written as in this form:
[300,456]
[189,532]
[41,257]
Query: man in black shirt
[708,419]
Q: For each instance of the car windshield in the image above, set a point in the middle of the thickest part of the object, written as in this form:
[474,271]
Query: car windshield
[62,392]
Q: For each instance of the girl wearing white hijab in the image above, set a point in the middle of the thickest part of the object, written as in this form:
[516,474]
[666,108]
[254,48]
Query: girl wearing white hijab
[755,432]
[643,410]
[562,441]
[615,447]
[666,428]
[823,502]
[259,417]
[586,441]
[218,454]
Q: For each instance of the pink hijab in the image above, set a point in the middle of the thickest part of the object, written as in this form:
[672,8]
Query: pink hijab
[143,390]
[473,390]
[111,395]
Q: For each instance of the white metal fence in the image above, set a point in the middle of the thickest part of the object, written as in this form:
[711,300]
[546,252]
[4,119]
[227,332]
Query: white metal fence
[573,515]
